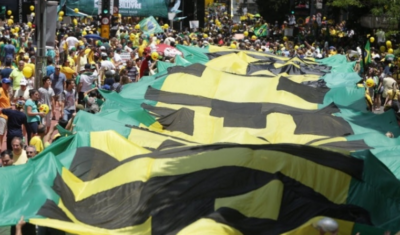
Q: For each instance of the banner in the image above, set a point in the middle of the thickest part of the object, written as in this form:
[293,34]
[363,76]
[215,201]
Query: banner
[51,13]
[142,8]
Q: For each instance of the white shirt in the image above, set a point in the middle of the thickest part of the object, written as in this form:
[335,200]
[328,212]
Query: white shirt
[87,81]
[107,65]
[71,41]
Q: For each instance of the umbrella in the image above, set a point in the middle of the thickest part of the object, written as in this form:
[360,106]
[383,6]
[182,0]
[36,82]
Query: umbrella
[168,51]
[93,36]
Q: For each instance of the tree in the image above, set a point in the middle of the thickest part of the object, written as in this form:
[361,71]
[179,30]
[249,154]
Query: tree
[272,11]
[387,8]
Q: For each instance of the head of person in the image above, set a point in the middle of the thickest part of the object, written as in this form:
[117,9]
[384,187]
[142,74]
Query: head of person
[389,134]
[33,59]
[34,94]
[57,69]
[129,63]
[70,85]
[23,84]
[16,144]
[21,65]
[125,80]
[5,83]
[41,130]
[7,158]
[46,81]
[8,63]
[49,60]
[30,151]
[19,104]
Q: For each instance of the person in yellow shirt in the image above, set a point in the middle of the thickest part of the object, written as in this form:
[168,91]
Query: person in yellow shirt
[19,154]
[67,70]
[90,54]
[41,140]
[71,57]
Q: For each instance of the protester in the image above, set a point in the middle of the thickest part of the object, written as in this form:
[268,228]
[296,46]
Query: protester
[16,120]
[32,113]
[47,98]
[4,103]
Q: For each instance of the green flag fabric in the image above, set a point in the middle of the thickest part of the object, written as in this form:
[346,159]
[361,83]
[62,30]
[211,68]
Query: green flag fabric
[221,141]
[149,26]
[261,31]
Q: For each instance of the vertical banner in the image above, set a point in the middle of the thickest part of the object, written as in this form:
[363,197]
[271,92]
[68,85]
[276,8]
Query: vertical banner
[51,13]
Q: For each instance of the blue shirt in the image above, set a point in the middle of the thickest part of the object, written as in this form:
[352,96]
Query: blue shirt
[35,118]
[5,73]
[50,69]
[9,49]
[57,83]
[16,119]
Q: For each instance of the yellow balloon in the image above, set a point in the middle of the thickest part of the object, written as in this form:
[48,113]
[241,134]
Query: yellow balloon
[61,13]
[285,39]
[390,51]
[389,44]
[60,18]
[29,24]
[12,31]
[10,22]
[372,39]
[254,37]
[27,72]
[17,29]
[154,55]
[11,17]
[32,8]
[233,46]
[166,26]
[33,14]
[382,49]
[324,18]
[84,33]
[205,35]
[75,21]
[140,51]
[296,47]
[137,26]
[246,33]
[119,16]
[76,10]
[9,12]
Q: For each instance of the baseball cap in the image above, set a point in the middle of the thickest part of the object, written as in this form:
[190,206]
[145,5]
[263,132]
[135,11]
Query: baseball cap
[106,87]
[23,82]
[6,81]
[102,48]
[103,54]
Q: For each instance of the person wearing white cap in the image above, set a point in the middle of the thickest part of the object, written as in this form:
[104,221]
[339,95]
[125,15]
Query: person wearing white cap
[327,225]
[22,93]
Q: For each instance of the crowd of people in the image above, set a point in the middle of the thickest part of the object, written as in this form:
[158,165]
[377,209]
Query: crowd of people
[78,66]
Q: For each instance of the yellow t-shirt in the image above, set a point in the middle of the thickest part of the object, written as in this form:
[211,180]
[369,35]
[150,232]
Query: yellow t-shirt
[90,56]
[67,71]
[20,159]
[38,143]
[392,96]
